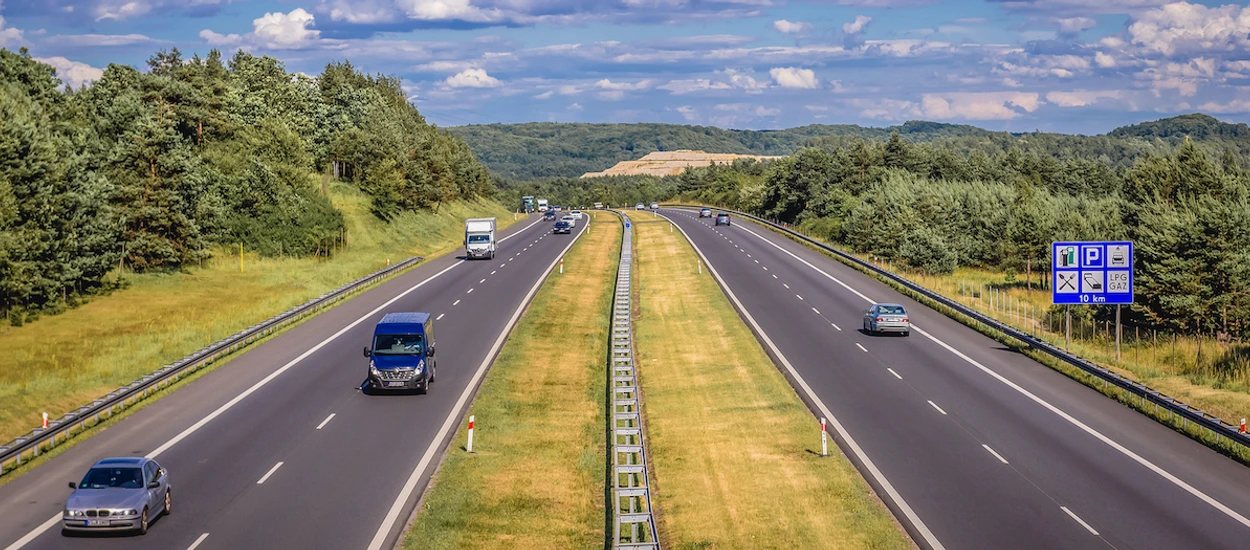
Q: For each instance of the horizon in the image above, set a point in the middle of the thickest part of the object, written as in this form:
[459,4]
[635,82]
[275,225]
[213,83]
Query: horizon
[1017,66]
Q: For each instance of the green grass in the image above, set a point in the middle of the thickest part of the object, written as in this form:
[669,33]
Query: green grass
[60,362]
[536,478]
[734,452]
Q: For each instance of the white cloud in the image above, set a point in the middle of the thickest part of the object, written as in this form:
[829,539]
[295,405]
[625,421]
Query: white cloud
[732,79]
[761,110]
[886,109]
[444,66]
[1074,25]
[1103,60]
[215,39]
[688,113]
[606,84]
[575,107]
[791,27]
[73,73]
[1081,98]
[794,77]
[99,40]
[285,31]
[473,78]
[1234,106]
[857,26]
[9,36]
[545,95]
[1184,28]
[120,11]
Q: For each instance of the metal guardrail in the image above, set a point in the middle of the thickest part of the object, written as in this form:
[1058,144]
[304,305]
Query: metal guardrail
[1144,393]
[632,520]
[13,453]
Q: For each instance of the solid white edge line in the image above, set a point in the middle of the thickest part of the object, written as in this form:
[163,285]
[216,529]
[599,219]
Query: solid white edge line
[1079,520]
[388,522]
[891,493]
[326,421]
[1056,410]
[262,479]
[896,375]
[33,534]
[996,455]
[939,409]
[861,347]
[197,542]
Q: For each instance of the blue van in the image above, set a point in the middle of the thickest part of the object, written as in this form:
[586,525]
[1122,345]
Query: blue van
[402,357]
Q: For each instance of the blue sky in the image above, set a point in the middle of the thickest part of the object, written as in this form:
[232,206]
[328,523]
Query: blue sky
[1082,66]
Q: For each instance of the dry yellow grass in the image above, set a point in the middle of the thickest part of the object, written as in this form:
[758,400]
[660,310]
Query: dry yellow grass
[536,479]
[735,453]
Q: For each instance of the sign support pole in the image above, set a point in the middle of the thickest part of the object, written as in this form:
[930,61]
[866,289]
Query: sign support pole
[1117,333]
[1067,333]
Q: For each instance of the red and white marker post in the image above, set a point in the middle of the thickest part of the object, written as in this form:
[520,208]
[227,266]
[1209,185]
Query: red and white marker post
[45,421]
[561,265]
[824,438]
[1240,430]
[469,446]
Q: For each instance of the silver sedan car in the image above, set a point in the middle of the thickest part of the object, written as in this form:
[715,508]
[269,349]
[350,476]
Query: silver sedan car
[887,318]
[118,494]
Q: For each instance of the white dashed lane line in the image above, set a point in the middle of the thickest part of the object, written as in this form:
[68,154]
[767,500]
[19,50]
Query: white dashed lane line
[939,409]
[797,296]
[326,421]
[440,317]
[898,376]
[861,347]
[197,542]
[774,276]
[1079,520]
[835,325]
[996,455]
[785,285]
[453,303]
[470,291]
[816,310]
[269,473]
[481,281]
[492,273]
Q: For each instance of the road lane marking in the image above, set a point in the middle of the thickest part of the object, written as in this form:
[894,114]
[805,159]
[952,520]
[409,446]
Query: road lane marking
[797,296]
[774,276]
[453,417]
[1033,397]
[939,409]
[481,281]
[996,455]
[455,302]
[896,375]
[197,542]
[440,317]
[470,291]
[1080,521]
[505,264]
[861,347]
[757,261]
[269,473]
[765,267]
[891,493]
[326,421]
[786,285]
[816,310]
[835,325]
[492,273]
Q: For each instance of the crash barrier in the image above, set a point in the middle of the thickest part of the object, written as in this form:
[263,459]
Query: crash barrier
[60,430]
[632,520]
[1145,395]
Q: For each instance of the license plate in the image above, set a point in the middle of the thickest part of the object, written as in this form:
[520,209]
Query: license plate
[97,522]
[395,384]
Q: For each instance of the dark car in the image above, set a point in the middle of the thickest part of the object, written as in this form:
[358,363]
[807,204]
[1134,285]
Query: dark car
[722,219]
[549,216]
[705,212]
[563,227]
[118,494]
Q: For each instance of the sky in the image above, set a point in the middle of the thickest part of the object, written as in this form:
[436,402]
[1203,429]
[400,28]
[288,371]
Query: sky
[1073,66]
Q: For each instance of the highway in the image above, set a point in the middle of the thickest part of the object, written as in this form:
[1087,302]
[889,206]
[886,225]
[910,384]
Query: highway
[279,448]
[970,444]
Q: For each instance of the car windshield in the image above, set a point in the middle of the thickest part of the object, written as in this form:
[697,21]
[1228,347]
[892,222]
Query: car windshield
[479,238]
[890,310]
[397,344]
[722,215]
[106,478]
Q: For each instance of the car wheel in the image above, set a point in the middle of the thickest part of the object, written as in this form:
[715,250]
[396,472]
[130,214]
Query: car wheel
[168,503]
[143,522]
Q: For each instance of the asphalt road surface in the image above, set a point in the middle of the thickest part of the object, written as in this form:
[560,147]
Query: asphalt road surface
[970,444]
[279,448]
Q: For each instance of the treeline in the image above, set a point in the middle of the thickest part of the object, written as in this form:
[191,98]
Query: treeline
[531,151]
[152,170]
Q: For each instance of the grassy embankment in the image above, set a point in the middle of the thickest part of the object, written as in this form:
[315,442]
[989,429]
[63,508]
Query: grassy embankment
[536,479]
[60,362]
[735,452]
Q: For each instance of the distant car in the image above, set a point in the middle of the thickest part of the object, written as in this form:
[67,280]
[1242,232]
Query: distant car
[598,206]
[577,214]
[722,219]
[549,216]
[887,318]
[557,208]
[705,212]
[563,227]
[118,494]
[655,206]
[639,206]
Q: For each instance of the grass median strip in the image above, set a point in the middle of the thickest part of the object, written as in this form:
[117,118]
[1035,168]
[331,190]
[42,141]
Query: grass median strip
[735,453]
[536,478]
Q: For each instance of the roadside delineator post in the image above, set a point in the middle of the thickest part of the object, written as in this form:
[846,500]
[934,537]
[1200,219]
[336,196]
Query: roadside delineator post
[469,446]
[562,265]
[824,438]
[388,262]
[700,266]
[1240,430]
[45,422]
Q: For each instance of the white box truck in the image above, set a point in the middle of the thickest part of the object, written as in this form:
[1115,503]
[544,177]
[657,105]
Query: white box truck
[542,205]
[479,238]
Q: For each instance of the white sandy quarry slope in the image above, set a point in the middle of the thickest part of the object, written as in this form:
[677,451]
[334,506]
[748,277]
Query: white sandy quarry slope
[669,163]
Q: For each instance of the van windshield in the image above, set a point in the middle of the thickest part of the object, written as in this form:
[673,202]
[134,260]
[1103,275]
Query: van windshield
[398,344]
[479,238]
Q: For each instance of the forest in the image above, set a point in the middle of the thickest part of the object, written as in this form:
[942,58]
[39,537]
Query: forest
[540,150]
[936,206]
[155,170]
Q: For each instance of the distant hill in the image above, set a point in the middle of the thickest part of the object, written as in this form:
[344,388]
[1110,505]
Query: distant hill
[540,150]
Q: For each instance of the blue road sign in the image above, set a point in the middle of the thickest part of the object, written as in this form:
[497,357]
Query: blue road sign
[1092,272]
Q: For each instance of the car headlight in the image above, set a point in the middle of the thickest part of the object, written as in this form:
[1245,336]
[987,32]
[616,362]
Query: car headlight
[128,512]
[75,513]
[420,366]
[373,370]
